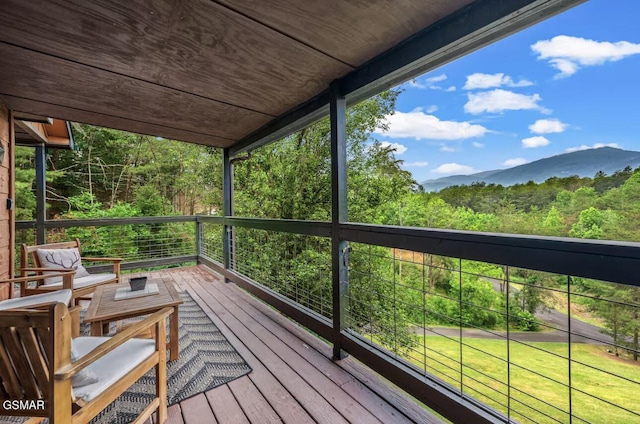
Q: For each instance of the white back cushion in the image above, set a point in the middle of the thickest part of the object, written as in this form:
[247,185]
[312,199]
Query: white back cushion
[61,258]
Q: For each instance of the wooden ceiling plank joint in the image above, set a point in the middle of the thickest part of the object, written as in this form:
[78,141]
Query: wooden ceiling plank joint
[35,130]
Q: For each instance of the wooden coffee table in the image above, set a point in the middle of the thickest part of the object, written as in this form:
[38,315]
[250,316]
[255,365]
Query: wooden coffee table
[104,309]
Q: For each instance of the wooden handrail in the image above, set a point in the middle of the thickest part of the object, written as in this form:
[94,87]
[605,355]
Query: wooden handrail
[39,277]
[115,341]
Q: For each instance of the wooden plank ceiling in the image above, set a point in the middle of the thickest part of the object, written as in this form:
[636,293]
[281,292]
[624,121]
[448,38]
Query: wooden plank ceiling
[208,72]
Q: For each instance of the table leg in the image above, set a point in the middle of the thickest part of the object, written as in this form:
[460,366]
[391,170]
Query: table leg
[174,349]
[96,328]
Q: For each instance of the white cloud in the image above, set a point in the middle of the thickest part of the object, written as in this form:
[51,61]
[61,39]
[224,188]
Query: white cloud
[499,100]
[515,162]
[418,164]
[477,145]
[547,126]
[431,109]
[454,168]
[568,54]
[451,88]
[533,142]
[430,83]
[399,148]
[481,81]
[437,78]
[420,126]
[594,146]
[445,148]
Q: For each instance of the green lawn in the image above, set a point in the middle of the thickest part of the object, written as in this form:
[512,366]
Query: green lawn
[485,370]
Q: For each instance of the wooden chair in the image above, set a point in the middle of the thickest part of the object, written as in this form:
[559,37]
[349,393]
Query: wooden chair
[82,287]
[44,300]
[35,364]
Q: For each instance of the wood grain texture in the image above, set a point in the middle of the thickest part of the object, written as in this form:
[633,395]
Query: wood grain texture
[258,410]
[5,177]
[4,123]
[274,390]
[353,31]
[103,307]
[126,124]
[48,79]
[316,351]
[225,406]
[196,410]
[5,229]
[6,191]
[282,401]
[193,45]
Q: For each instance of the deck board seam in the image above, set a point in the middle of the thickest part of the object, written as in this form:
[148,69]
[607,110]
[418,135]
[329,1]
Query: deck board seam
[410,416]
[208,289]
[205,305]
[267,313]
[242,306]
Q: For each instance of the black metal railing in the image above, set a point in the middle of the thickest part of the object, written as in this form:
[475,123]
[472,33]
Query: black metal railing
[489,327]
[511,328]
[143,242]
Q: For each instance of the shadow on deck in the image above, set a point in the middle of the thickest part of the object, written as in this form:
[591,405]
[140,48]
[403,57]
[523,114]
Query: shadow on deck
[293,378]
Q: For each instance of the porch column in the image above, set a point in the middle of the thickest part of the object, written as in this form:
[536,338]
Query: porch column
[41,195]
[339,247]
[227,209]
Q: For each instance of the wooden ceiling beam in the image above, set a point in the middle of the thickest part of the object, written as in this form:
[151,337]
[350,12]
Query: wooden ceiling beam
[35,130]
[93,118]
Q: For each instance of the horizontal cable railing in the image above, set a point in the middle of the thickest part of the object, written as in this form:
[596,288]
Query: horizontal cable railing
[515,328]
[143,242]
[510,328]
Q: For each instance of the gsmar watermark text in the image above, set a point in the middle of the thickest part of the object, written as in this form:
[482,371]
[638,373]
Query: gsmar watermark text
[23,405]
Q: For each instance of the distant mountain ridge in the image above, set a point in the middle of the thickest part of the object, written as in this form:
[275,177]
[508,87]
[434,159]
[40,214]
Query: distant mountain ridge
[584,163]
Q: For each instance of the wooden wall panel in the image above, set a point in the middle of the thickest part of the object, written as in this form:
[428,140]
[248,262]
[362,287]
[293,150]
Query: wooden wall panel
[5,182]
[197,46]
[6,191]
[34,75]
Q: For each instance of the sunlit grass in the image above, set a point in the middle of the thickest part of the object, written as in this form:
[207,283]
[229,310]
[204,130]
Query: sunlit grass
[538,376]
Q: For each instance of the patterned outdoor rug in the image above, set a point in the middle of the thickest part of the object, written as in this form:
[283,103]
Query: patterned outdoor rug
[207,360]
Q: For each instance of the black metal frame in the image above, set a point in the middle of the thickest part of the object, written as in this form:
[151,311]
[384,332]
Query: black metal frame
[339,249]
[41,193]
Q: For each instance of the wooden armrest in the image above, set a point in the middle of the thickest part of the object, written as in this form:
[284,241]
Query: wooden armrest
[47,270]
[103,259]
[38,277]
[115,341]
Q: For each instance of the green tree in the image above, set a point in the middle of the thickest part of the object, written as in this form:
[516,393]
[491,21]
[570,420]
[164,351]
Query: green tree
[553,223]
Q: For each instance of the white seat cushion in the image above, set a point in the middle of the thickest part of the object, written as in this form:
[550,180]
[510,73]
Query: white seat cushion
[58,296]
[112,366]
[91,280]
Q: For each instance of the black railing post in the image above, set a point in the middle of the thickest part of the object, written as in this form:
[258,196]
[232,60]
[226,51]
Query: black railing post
[339,253]
[227,199]
[199,229]
[41,194]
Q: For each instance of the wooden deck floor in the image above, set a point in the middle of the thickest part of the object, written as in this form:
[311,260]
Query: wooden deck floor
[293,379]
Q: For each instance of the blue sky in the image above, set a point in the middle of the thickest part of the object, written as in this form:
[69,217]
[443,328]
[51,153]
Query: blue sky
[570,82]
